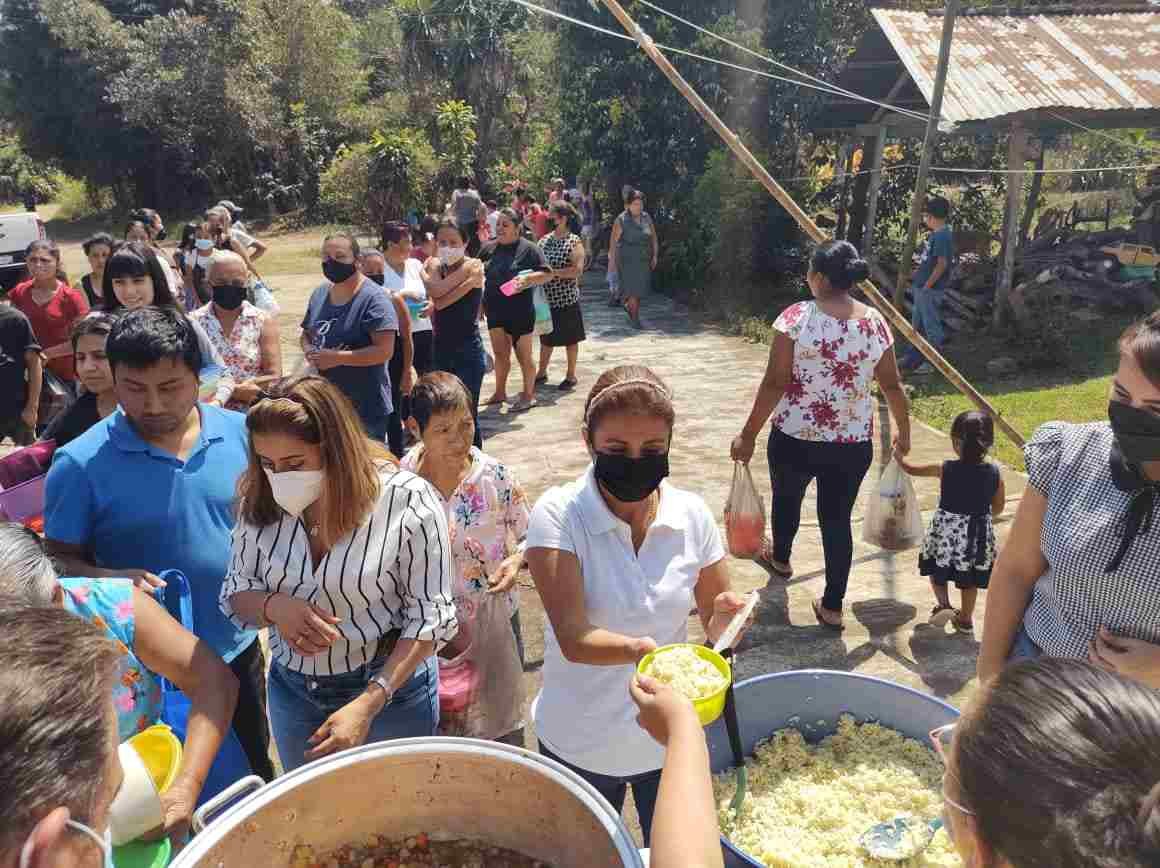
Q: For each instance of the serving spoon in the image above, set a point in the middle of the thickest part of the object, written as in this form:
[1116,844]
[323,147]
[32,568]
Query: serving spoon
[899,839]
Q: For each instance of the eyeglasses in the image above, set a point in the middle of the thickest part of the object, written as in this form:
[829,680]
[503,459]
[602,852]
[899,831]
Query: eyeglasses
[941,739]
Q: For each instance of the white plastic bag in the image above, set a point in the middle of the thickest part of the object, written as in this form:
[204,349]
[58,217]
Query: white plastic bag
[893,519]
[264,297]
[481,689]
[744,515]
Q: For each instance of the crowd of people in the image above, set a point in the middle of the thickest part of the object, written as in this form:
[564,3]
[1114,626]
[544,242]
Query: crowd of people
[351,511]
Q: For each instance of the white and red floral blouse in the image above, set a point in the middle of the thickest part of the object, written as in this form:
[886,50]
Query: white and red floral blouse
[241,348]
[829,397]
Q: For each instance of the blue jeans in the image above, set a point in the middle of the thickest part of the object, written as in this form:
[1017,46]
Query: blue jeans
[614,789]
[1023,648]
[466,361]
[299,704]
[926,317]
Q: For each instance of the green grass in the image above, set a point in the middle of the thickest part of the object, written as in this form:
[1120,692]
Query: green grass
[1075,390]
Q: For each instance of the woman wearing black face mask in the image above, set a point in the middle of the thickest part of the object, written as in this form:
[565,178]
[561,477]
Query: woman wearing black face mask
[349,332]
[619,558]
[246,337]
[1080,574]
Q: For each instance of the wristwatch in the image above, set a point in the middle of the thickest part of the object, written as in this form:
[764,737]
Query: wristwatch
[384,685]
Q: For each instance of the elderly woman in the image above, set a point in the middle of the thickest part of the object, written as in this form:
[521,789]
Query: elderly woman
[353,637]
[135,278]
[247,338]
[1055,765]
[818,382]
[51,305]
[98,399]
[632,253]
[619,558]
[564,252]
[151,643]
[1080,573]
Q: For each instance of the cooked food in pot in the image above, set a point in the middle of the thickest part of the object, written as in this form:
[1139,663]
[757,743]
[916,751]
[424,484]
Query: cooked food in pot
[420,851]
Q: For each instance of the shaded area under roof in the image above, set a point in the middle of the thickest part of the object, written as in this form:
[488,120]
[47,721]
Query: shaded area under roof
[1099,68]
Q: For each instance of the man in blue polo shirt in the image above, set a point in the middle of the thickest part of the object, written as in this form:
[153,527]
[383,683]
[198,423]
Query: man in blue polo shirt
[152,488]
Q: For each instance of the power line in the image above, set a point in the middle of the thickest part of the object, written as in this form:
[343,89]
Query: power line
[672,49]
[1108,136]
[769,59]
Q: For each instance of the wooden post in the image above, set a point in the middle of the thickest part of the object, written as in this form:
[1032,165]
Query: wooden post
[802,218]
[845,158]
[875,189]
[1033,195]
[936,100]
[1016,157]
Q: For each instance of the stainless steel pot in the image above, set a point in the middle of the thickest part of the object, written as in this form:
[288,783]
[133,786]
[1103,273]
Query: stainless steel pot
[445,787]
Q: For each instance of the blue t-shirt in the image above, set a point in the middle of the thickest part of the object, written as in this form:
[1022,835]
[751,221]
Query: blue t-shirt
[134,506]
[940,244]
[352,326]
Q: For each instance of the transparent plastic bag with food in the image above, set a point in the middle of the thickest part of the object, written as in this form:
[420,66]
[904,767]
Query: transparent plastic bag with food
[481,688]
[744,515]
[893,519]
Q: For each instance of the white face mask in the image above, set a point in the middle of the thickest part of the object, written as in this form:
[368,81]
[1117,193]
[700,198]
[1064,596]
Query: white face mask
[295,490]
[105,843]
[451,255]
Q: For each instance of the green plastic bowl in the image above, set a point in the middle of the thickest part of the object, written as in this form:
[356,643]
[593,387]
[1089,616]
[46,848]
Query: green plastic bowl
[709,708]
[143,854]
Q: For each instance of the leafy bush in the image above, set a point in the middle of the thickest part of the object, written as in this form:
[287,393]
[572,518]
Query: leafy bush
[342,189]
[75,199]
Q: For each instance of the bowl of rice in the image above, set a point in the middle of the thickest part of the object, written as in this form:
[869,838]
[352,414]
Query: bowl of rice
[698,673]
[829,755]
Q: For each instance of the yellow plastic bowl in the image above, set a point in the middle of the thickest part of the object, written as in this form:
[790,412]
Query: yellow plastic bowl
[710,707]
[160,750]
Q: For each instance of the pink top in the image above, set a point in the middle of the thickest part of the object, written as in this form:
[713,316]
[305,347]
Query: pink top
[829,397]
[488,520]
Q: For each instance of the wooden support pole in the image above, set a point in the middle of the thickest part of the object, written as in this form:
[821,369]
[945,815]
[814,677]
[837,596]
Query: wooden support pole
[802,218]
[1033,195]
[1016,157]
[845,167]
[875,190]
[905,263]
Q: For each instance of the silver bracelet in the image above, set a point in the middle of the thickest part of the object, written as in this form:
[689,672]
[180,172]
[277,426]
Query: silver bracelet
[384,685]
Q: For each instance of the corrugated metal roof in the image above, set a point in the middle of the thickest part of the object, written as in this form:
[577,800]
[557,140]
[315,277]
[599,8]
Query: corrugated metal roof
[1001,65]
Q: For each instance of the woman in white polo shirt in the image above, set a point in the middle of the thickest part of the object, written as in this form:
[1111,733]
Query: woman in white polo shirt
[619,558]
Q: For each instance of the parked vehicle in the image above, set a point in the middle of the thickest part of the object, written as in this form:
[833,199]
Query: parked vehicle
[17,231]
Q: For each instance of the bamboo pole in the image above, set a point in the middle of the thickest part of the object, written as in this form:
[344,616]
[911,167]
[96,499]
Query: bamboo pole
[802,218]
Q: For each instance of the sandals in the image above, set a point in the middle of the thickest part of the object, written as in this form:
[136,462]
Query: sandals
[493,401]
[568,384]
[521,405]
[965,627]
[820,614]
[765,559]
[939,615]
[541,379]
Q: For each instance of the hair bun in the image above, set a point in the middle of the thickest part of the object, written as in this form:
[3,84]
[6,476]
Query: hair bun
[858,269]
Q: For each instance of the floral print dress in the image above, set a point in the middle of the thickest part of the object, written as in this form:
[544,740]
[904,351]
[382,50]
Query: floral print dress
[959,545]
[487,516]
[829,397]
[108,603]
[241,348]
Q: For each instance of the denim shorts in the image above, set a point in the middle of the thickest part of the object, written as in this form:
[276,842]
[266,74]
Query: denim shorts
[299,704]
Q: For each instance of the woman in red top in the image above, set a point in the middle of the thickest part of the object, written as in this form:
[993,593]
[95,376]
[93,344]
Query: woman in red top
[51,305]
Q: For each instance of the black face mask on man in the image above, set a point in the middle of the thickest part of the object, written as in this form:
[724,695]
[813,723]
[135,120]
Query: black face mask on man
[337,272]
[229,297]
[631,480]
[1137,432]
[376,278]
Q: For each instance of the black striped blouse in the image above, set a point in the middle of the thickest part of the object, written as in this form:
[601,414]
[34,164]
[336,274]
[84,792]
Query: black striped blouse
[392,572]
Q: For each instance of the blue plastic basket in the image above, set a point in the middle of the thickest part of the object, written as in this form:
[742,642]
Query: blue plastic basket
[812,700]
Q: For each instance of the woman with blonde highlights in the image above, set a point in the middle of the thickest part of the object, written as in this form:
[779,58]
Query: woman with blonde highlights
[347,559]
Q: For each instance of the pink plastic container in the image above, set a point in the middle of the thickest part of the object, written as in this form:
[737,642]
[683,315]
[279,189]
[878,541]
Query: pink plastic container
[511,287]
[23,502]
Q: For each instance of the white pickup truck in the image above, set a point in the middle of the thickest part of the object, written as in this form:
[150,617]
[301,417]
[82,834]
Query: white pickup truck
[17,231]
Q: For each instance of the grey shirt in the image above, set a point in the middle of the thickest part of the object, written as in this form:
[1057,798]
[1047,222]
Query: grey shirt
[466,206]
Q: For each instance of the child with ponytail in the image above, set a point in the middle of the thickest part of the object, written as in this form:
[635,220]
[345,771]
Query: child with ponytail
[959,546]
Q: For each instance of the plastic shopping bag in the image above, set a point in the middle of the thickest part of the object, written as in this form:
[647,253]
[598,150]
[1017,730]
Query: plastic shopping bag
[264,297]
[543,312]
[893,519]
[481,690]
[744,515]
[231,764]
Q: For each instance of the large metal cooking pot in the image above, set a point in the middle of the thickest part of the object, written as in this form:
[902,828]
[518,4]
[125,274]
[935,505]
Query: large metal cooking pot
[812,700]
[447,787]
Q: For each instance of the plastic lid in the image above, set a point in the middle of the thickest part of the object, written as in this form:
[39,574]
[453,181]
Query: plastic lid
[143,854]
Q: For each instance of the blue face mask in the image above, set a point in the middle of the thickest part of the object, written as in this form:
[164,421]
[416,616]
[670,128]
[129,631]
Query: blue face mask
[105,843]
